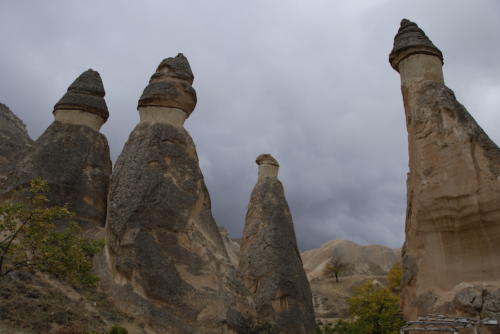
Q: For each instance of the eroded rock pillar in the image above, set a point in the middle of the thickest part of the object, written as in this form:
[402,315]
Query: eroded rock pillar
[72,155]
[167,259]
[270,262]
[453,188]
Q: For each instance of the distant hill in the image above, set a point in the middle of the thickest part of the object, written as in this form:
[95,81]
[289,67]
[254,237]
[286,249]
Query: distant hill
[371,262]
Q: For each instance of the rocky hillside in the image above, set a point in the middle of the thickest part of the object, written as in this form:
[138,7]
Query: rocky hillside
[364,263]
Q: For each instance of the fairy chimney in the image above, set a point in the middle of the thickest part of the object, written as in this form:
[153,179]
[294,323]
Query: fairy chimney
[71,155]
[270,264]
[453,190]
[166,260]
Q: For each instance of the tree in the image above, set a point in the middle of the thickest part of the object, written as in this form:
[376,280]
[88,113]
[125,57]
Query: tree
[29,239]
[394,278]
[336,266]
[375,310]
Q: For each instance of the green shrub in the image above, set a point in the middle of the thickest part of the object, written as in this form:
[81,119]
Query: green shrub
[118,330]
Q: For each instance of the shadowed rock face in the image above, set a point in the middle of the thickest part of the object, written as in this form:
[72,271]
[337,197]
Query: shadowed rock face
[74,159]
[14,140]
[453,193]
[167,259]
[270,263]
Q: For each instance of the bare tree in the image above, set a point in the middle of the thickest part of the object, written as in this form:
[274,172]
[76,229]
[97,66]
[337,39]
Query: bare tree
[336,266]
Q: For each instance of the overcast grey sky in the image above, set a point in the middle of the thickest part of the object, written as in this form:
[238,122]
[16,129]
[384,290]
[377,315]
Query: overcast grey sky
[305,80]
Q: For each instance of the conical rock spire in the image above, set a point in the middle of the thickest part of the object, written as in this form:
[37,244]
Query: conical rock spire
[450,254]
[170,86]
[270,265]
[409,40]
[85,93]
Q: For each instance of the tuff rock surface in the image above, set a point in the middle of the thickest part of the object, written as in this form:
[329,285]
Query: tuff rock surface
[74,159]
[14,140]
[166,261]
[453,190]
[270,263]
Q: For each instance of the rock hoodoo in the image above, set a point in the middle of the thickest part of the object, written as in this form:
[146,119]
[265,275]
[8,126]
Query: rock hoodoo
[453,190]
[167,259]
[270,263]
[71,155]
[14,140]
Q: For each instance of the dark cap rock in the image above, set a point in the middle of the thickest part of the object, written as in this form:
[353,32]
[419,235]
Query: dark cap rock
[410,40]
[170,86]
[266,159]
[85,93]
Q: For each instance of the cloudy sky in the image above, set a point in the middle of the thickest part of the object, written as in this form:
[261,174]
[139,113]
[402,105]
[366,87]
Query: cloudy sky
[305,80]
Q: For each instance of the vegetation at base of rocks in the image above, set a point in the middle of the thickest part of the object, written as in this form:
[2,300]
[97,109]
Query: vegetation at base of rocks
[336,266]
[394,278]
[373,309]
[118,330]
[30,241]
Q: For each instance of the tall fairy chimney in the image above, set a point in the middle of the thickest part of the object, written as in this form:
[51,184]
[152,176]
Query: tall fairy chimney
[452,244]
[164,248]
[270,264]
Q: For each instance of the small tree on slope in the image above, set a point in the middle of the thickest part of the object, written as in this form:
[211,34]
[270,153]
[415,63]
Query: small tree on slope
[29,239]
[335,267]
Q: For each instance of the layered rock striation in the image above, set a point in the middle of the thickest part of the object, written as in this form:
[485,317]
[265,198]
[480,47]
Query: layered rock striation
[270,264]
[166,259]
[71,155]
[453,187]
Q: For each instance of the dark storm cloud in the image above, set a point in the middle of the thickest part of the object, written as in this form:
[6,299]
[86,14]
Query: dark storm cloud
[307,81]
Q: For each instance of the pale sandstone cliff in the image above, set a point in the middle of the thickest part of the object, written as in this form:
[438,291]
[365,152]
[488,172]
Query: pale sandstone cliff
[71,155]
[453,190]
[270,263]
[364,263]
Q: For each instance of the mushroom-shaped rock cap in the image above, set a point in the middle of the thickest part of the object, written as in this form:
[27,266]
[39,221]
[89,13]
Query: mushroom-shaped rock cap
[85,93]
[170,86]
[410,40]
[266,159]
